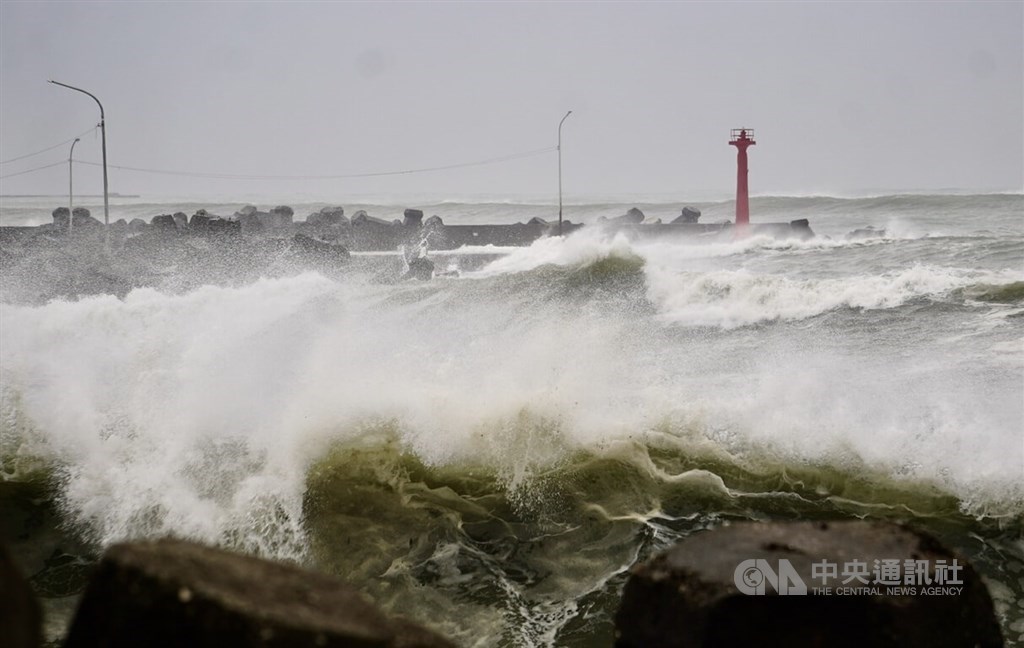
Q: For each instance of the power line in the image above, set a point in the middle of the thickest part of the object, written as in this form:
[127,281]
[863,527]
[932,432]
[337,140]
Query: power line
[230,176]
[49,148]
[11,175]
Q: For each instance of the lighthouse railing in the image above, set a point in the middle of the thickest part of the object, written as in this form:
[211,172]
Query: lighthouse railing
[741,133]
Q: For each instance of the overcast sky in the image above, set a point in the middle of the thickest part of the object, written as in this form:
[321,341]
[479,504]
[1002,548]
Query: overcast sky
[844,97]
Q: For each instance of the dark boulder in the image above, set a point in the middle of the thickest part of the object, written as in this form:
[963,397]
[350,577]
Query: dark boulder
[205,222]
[537,220]
[329,216]
[434,222]
[137,225]
[369,233]
[249,221]
[176,593]
[181,219]
[252,220]
[165,223]
[633,216]
[801,227]
[277,218]
[362,218]
[689,215]
[280,216]
[721,588]
[333,213]
[200,221]
[224,226]
[320,254]
[82,218]
[413,218]
[20,617]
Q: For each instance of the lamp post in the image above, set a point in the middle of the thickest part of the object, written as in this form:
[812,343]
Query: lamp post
[71,188]
[103,133]
[560,171]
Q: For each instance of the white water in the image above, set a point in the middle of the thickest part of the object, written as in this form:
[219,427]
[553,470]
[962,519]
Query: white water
[199,414]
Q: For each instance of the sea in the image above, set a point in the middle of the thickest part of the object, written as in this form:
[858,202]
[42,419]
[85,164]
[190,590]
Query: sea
[490,452]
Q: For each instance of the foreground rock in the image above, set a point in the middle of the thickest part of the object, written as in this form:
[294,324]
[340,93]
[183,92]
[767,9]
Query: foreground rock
[711,590]
[175,593]
[20,619]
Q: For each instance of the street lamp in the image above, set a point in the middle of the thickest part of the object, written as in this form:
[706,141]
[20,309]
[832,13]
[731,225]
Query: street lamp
[71,191]
[103,132]
[560,171]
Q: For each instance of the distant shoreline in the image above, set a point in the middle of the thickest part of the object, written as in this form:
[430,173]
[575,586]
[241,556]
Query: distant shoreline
[113,195]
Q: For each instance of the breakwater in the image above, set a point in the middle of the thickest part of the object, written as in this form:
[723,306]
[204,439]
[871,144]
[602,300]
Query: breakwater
[362,232]
[81,256]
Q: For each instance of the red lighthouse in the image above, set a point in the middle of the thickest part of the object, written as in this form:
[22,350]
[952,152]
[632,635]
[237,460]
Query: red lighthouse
[741,138]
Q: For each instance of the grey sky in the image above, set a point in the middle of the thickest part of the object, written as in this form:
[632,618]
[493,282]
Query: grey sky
[844,97]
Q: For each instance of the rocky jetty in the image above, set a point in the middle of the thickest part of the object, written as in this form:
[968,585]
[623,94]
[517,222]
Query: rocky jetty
[172,252]
[178,252]
[364,232]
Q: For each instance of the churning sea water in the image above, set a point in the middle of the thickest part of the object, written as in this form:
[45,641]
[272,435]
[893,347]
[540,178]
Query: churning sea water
[490,452]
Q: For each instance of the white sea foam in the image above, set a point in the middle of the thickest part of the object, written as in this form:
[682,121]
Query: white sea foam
[199,414]
[730,298]
[688,291]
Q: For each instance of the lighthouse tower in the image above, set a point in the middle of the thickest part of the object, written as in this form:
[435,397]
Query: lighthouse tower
[741,138]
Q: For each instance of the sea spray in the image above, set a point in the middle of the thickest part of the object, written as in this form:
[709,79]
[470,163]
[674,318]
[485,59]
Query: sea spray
[490,453]
[282,360]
